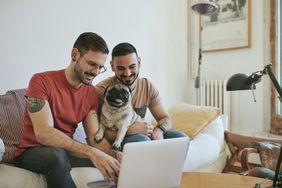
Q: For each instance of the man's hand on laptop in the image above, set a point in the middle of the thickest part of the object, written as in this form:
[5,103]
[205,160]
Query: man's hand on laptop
[140,127]
[108,165]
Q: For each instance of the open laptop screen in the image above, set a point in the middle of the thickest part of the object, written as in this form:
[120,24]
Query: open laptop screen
[154,164]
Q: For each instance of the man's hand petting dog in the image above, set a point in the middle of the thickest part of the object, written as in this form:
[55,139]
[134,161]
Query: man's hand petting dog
[143,127]
[140,127]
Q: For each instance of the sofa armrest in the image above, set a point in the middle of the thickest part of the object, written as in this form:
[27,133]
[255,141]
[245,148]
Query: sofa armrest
[224,119]
[216,129]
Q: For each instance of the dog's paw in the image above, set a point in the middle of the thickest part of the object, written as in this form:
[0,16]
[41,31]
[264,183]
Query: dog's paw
[116,146]
[98,138]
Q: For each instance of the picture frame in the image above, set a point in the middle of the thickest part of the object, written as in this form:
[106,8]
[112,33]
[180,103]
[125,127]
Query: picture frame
[227,29]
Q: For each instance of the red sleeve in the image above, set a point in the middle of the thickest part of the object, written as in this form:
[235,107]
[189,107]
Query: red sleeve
[95,99]
[37,87]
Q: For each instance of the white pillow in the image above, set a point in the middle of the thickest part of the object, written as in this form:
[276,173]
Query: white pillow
[216,129]
[2,149]
[203,149]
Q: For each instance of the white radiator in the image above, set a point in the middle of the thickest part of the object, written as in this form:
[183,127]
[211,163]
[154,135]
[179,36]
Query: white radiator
[215,95]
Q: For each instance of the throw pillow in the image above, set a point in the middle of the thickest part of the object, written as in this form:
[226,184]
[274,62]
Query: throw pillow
[192,119]
[268,152]
[11,121]
[2,149]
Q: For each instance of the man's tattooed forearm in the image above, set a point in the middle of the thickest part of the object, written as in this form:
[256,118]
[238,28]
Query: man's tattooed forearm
[35,105]
[95,114]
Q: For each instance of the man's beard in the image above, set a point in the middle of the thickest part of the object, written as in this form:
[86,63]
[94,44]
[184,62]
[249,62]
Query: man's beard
[127,83]
[81,76]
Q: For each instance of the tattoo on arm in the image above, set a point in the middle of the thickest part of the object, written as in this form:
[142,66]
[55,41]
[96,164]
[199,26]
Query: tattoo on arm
[35,105]
[95,114]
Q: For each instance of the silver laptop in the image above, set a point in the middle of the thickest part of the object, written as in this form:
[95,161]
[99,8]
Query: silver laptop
[155,164]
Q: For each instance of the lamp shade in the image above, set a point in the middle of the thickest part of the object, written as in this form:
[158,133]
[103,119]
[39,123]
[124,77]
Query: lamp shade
[204,7]
[239,82]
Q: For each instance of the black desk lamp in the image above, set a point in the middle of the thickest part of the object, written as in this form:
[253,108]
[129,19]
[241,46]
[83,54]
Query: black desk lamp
[243,82]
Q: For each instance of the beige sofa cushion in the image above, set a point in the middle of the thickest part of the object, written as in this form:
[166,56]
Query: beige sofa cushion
[11,176]
[192,119]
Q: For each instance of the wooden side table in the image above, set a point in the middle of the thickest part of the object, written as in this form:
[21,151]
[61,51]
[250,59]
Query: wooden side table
[220,180]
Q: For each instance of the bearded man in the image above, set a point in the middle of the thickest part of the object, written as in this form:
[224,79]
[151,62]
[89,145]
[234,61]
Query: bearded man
[126,65]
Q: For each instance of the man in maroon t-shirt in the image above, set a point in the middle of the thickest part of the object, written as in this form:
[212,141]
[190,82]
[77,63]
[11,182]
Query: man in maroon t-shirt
[56,102]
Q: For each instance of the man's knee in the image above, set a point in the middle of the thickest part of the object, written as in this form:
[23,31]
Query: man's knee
[135,138]
[58,158]
[174,134]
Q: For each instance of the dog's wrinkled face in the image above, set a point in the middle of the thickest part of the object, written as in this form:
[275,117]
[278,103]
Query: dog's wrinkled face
[117,95]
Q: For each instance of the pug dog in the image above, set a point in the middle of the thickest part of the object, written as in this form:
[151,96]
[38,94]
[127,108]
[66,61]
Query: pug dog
[117,112]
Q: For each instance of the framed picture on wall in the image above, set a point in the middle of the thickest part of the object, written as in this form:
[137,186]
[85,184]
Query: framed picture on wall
[229,28]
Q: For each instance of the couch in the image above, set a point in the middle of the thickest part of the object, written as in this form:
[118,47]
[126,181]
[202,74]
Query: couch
[204,125]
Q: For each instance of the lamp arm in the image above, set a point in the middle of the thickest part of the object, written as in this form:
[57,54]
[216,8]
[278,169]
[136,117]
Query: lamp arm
[268,70]
[277,178]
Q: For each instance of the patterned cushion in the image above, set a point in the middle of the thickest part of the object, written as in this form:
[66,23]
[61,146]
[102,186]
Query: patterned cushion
[11,121]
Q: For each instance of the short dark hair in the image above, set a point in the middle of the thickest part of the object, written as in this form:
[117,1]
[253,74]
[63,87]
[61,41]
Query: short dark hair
[122,49]
[90,41]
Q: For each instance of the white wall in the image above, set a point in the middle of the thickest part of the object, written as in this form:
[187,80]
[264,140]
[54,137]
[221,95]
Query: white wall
[37,35]
[247,116]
